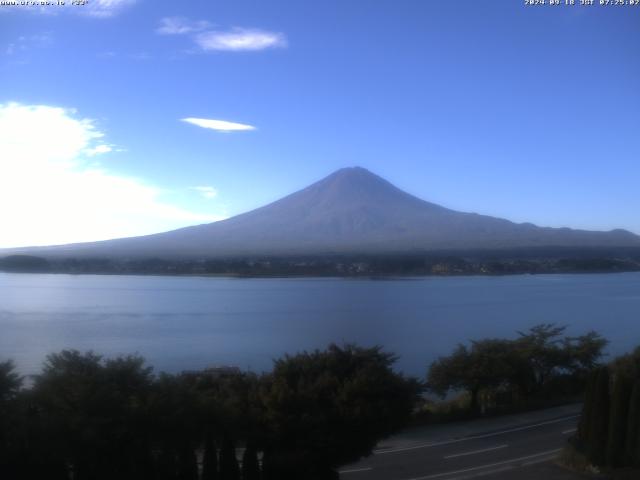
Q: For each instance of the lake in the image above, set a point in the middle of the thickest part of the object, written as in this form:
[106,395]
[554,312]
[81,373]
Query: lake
[182,323]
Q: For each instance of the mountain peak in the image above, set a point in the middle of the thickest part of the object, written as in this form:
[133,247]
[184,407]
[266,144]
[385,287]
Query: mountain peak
[352,188]
[357,179]
[352,210]
[353,174]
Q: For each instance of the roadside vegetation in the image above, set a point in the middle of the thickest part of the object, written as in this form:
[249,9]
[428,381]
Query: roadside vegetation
[540,368]
[87,417]
[608,437]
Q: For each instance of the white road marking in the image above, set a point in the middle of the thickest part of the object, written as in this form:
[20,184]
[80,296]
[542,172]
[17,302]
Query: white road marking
[474,437]
[355,470]
[482,467]
[455,455]
[571,430]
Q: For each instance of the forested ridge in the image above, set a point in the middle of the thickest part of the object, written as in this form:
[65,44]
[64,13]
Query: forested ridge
[435,263]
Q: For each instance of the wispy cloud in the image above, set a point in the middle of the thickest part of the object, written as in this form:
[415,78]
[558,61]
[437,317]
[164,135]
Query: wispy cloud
[56,184]
[27,42]
[209,40]
[106,8]
[181,26]
[98,149]
[218,125]
[240,39]
[206,191]
[140,56]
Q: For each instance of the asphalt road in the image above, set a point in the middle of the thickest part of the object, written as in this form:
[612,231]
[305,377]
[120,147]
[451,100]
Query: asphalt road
[507,450]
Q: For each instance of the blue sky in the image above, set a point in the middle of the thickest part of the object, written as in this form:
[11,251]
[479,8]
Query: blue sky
[527,113]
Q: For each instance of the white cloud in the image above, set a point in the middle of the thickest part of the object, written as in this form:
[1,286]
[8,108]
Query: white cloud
[105,8]
[239,39]
[51,192]
[98,149]
[206,191]
[180,26]
[218,125]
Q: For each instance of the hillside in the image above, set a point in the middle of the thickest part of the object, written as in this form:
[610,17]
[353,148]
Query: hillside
[352,211]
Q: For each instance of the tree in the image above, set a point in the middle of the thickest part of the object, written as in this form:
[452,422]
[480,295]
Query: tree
[250,465]
[167,464]
[327,408]
[585,423]
[536,363]
[488,364]
[210,459]
[596,442]
[96,411]
[187,463]
[632,442]
[628,364]
[173,408]
[451,372]
[10,381]
[229,469]
[618,418]
[540,348]
[88,417]
[11,428]
[609,430]
[584,352]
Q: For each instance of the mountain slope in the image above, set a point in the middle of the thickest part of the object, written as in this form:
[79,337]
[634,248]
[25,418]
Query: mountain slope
[350,211]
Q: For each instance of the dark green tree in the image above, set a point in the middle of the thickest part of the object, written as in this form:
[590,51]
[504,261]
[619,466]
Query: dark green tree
[173,406]
[10,381]
[632,442]
[583,353]
[210,459]
[187,463]
[618,420]
[540,362]
[541,349]
[488,364]
[167,464]
[596,442]
[250,465]
[328,408]
[229,469]
[95,410]
[585,423]
[12,434]
[451,373]
[628,364]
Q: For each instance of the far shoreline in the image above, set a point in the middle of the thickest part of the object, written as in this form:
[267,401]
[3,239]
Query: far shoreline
[381,277]
[362,265]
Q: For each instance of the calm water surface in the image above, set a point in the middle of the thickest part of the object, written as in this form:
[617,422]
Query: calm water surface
[190,322]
